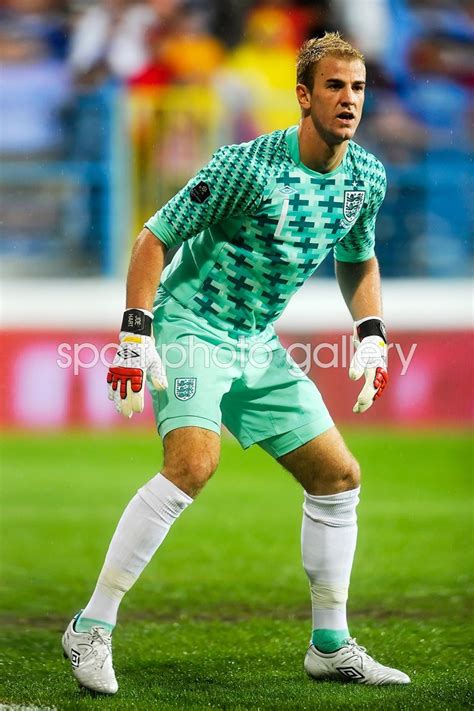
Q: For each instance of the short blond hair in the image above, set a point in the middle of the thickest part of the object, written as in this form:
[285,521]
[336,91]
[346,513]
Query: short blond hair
[312,51]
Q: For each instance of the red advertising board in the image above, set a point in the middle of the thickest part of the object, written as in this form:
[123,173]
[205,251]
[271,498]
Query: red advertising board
[56,379]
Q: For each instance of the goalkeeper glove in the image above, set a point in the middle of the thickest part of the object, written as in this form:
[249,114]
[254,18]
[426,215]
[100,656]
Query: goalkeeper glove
[136,359]
[370,360]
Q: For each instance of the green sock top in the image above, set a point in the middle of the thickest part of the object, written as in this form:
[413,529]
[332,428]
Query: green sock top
[328,641]
[85,624]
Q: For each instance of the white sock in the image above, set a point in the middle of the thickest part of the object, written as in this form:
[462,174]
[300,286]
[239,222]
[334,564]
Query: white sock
[328,539]
[140,531]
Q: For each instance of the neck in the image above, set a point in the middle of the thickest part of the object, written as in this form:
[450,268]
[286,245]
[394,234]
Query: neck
[315,152]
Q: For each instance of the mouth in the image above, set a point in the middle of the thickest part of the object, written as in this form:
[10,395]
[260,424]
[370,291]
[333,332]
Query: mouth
[346,116]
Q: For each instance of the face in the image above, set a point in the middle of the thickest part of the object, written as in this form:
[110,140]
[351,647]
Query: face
[336,101]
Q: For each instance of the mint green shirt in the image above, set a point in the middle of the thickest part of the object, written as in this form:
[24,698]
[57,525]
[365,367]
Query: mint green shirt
[255,223]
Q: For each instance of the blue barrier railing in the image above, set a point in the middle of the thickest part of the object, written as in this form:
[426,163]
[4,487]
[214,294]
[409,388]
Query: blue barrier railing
[67,213]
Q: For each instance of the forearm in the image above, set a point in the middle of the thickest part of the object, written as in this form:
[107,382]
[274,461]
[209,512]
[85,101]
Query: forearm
[360,287]
[144,272]
[137,358]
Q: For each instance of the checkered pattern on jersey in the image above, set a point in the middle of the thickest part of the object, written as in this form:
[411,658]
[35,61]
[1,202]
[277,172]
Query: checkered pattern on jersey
[369,171]
[269,258]
[236,176]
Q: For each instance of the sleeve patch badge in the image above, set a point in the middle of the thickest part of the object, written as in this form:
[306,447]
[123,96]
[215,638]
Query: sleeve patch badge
[200,192]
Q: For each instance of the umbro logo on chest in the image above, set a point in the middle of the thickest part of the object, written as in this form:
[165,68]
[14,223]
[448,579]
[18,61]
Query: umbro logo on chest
[287,190]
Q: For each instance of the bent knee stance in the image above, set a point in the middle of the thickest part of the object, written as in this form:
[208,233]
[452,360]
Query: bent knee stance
[351,474]
[340,476]
[190,473]
[191,458]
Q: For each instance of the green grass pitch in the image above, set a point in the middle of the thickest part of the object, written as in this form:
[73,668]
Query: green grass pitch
[220,619]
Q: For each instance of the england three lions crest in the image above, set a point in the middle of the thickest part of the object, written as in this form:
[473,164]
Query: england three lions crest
[353,202]
[185,388]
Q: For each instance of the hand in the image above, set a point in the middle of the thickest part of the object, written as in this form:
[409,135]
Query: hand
[136,359]
[370,360]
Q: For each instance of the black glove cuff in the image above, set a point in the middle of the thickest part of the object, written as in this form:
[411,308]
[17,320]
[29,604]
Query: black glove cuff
[136,321]
[372,327]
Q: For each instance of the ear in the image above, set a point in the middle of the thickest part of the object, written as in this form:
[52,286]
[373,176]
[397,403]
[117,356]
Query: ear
[303,95]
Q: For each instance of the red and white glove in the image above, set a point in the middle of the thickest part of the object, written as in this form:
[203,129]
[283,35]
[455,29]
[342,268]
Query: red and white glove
[136,360]
[370,360]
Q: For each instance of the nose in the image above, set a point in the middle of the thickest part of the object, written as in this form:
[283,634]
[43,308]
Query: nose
[348,97]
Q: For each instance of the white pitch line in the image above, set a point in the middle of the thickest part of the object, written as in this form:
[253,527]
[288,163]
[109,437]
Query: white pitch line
[19,707]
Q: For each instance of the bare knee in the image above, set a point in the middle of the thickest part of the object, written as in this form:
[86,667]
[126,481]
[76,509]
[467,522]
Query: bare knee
[324,465]
[334,479]
[349,477]
[192,472]
[191,458]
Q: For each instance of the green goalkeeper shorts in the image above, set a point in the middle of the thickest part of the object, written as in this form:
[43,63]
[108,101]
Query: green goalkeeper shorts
[250,384]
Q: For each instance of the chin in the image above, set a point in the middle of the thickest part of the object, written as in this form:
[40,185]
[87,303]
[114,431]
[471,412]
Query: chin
[338,138]
[347,134]
[334,135]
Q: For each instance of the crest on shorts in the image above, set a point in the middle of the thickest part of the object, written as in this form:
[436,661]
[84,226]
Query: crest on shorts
[353,201]
[185,388]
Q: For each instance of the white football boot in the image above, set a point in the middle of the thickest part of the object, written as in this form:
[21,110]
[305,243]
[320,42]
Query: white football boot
[351,663]
[90,654]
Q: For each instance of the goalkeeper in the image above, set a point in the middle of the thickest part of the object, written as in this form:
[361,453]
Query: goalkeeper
[251,227]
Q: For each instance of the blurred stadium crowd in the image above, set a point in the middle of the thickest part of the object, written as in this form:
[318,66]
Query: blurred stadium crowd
[63,146]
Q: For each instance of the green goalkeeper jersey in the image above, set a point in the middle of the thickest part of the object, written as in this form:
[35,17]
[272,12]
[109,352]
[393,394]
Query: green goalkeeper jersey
[255,223]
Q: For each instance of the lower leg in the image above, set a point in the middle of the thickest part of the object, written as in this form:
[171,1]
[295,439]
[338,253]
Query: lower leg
[330,477]
[329,535]
[191,456]
[140,531]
